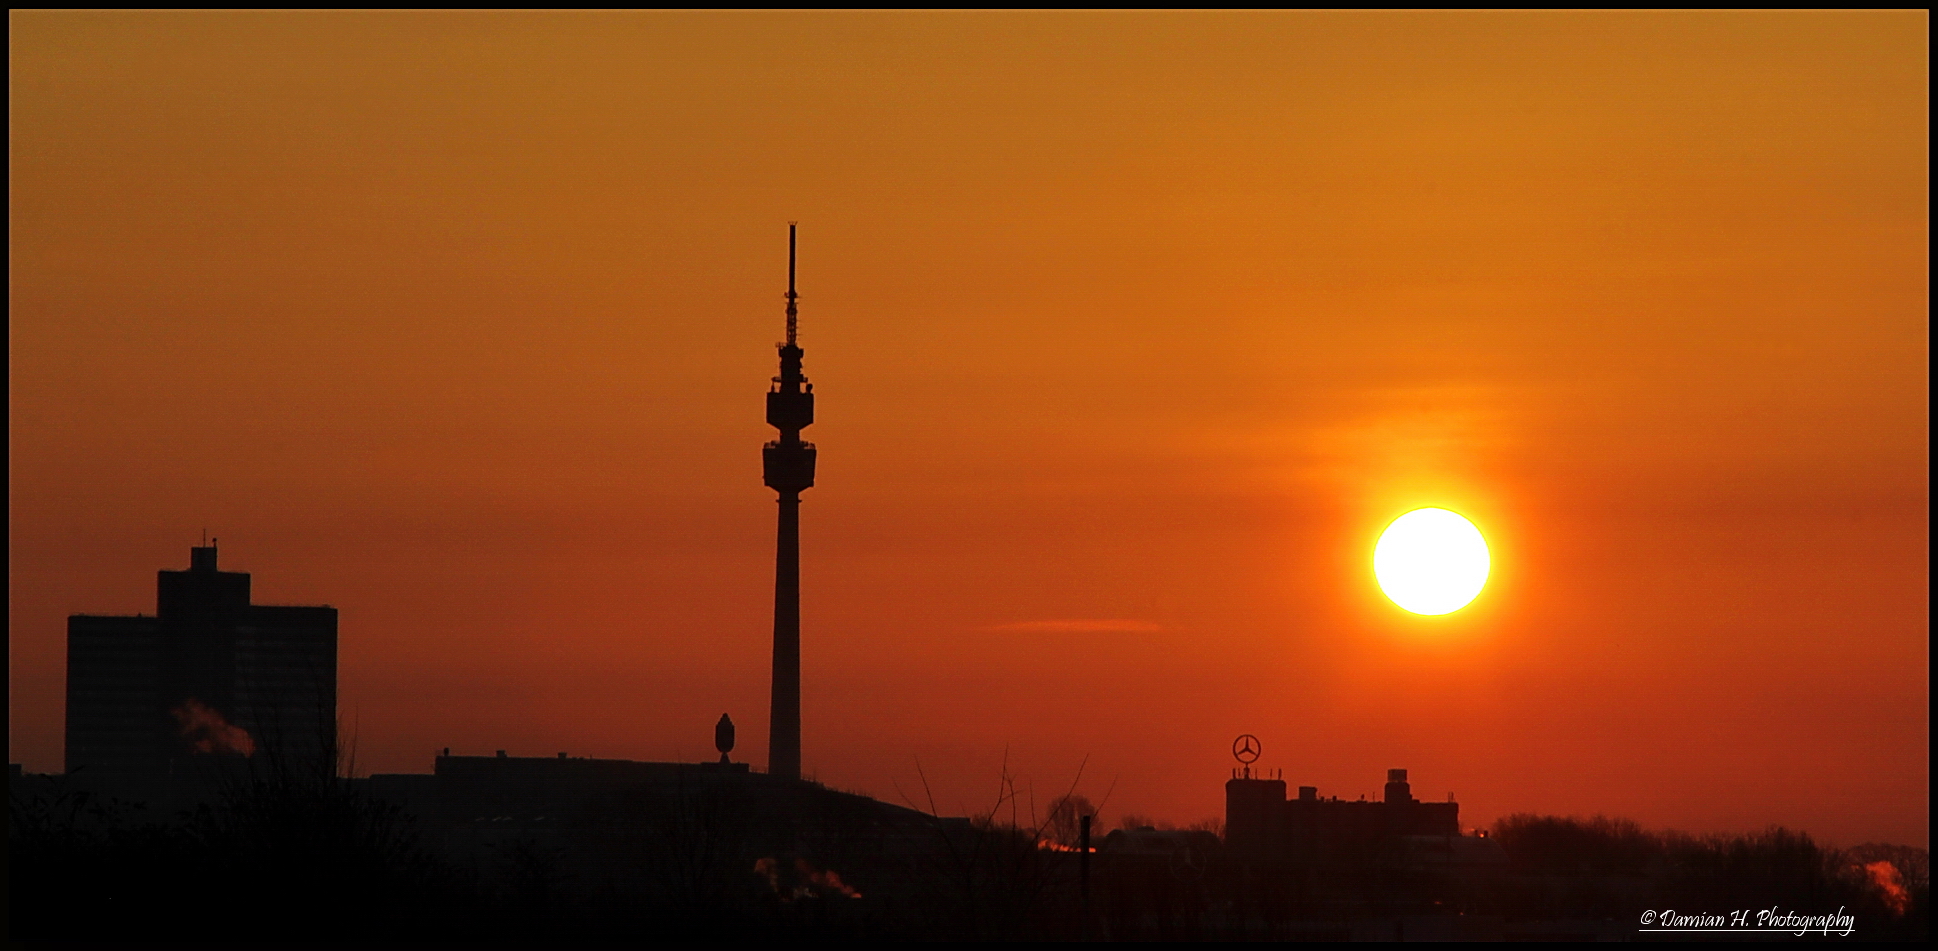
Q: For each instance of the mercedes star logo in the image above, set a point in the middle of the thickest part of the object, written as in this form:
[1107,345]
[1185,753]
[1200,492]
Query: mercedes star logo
[1246,748]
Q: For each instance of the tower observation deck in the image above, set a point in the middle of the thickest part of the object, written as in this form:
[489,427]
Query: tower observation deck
[789,468]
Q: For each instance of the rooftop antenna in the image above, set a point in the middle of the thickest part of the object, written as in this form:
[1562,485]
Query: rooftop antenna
[792,313]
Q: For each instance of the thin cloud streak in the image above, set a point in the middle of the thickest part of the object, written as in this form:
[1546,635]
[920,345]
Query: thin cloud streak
[1078,626]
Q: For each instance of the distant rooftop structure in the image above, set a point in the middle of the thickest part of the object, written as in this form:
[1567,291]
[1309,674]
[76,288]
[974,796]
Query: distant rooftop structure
[1262,825]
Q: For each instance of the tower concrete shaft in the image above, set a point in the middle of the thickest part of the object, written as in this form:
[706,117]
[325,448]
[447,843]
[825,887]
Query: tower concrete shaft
[784,704]
[789,469]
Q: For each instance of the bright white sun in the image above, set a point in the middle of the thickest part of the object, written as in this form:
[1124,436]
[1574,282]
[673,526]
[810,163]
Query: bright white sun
[1431,561]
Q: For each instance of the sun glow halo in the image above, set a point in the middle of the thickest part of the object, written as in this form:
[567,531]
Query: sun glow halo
[1431,561]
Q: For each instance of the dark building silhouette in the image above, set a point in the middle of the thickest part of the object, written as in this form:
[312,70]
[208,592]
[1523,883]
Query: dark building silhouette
[1262,825]
[615,822]
[210,677]
[789,467]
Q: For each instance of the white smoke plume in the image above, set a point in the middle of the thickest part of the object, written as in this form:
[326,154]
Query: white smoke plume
[208,732]
[1886,879]
[802,880]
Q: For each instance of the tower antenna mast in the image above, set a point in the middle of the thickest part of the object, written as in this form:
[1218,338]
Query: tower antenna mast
[792,312]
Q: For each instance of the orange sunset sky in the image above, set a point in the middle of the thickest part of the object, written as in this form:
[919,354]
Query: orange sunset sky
[1130,333]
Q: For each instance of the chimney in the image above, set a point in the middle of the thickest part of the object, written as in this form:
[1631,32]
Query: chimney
[1308,793]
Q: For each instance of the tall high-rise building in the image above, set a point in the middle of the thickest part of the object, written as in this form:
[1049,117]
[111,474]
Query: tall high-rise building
[789,465]
[208,677]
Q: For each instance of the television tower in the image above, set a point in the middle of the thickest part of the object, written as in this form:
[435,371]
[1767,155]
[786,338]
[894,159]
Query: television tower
[789,465]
